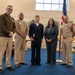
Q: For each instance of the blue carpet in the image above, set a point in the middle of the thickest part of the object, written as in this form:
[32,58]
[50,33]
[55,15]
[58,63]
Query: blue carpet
[44,69]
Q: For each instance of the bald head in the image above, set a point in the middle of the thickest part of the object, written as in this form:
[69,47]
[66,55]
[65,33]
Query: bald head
[66,18]
[21,16]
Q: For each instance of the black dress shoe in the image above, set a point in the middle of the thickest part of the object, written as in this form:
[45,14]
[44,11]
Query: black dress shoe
[69,66]
[48,63]
[53,63]
[38,64]
[63,64]
[17,65]
[24,63]
[10,68]
[1,71]
[32,64]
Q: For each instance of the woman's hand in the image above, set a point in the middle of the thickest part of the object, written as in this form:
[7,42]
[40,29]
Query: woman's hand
[48,40]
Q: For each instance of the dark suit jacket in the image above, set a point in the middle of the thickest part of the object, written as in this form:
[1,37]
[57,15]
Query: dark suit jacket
[52,33]
[36,31]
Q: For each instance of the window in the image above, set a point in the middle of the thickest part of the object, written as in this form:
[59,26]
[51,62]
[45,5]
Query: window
[54,5]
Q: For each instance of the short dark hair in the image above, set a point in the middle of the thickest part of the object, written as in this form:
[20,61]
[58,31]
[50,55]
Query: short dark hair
[9,6]
[37,16]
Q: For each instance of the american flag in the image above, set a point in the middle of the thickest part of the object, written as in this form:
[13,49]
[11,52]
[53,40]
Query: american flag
[64,11]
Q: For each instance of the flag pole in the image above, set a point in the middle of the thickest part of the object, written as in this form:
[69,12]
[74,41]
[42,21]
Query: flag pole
[59,60]
[64,13]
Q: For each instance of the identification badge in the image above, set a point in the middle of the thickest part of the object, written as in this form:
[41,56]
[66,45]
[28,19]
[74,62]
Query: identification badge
[33,35]
[13,21]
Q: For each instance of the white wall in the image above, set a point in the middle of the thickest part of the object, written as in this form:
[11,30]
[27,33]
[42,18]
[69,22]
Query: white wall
[28,7]
[3,4]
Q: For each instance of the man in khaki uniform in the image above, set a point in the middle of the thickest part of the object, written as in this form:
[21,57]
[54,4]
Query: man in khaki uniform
[66,43]
[20,40]
[7,28]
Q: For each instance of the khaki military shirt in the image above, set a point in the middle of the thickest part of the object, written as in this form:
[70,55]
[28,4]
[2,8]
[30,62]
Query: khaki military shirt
[21,26]
[65,29]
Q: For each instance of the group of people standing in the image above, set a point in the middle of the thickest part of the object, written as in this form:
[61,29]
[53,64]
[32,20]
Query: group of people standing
[8,26]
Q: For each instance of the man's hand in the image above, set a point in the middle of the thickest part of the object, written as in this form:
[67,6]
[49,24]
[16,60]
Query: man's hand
[23,36]
[11,34]
[31,39]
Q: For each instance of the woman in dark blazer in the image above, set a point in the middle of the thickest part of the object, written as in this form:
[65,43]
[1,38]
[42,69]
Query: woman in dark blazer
[51,33]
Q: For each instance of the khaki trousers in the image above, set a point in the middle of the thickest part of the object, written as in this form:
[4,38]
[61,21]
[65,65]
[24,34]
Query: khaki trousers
[20,45]
[5,45]
[67,51]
